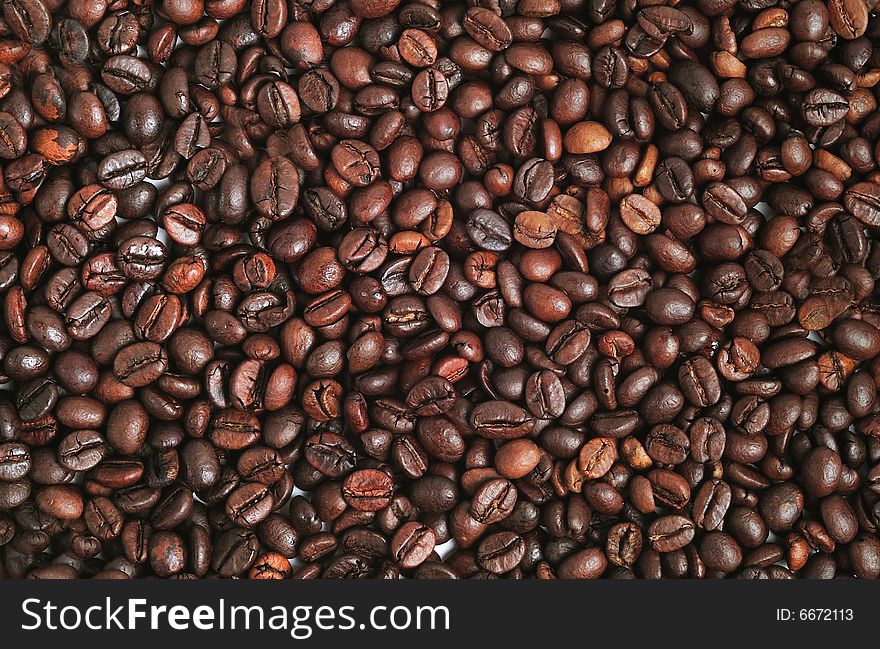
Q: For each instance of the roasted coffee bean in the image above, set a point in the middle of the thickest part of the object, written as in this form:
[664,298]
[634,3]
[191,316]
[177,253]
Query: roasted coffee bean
[500,552]
[122,169]
[368,489]
[624,544]
[140,364]
[15,462]
[487,29]
[493,501]
[670,533]
[501,420]
[249,504]
[585,564]
[412,544]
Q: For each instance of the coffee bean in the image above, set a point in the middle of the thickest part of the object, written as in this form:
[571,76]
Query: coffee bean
[487,29]
[249,504]
[517,458]
[140,364]
[368,489]
[122,169]
[500,552]
[81,450]
[587,137]
[501,420]
[823,107]
[849,19]
[15,462]
[493,501]
[585,564]
[412,544]
[670,533]
[639,214]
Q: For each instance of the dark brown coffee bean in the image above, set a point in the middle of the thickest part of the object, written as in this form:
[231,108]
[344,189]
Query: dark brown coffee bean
[671,533]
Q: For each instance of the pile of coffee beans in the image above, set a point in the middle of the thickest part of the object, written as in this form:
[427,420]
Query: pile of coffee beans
[439,289]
